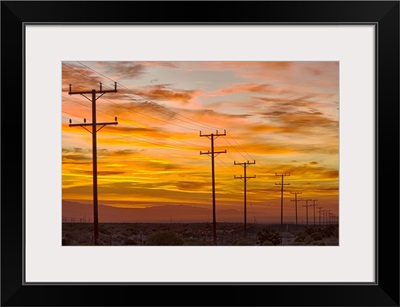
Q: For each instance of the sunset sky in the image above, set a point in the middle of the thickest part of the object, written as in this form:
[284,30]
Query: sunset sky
[283,115]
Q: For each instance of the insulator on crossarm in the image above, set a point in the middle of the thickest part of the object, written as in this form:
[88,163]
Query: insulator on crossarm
[84,120]
[70,121]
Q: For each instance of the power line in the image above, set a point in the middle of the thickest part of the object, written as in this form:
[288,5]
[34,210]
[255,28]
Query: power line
[136,138]
[127,121]
[135,93]
[152,117]
[175,113]
[235,149]
[243,150]
[229,167]
[172,112]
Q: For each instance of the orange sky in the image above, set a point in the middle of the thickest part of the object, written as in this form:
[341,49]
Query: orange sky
[283,115]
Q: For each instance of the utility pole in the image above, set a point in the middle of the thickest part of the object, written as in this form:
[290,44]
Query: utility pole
[245,179]
[331,218]
[307,205]
[319,214]
[282,184]
[94,124]
[328,213]
[314,200]
[295,201]
[213,154]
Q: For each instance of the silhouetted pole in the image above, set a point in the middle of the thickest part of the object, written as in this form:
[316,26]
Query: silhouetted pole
[323,217]
[295,201]
[328,212]
[213,154]
[319,214]
[282,184]
[307,205]
[333,218]
[314,200]
[94,131]
[245,178]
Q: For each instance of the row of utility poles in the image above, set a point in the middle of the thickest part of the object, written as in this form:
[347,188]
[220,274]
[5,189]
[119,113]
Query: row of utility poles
[95,126]
[328,217]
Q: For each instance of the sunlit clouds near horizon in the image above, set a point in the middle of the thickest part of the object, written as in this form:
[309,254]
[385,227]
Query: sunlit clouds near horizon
[282,115]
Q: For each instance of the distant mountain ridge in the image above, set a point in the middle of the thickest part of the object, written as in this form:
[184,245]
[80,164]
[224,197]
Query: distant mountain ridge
[159,213]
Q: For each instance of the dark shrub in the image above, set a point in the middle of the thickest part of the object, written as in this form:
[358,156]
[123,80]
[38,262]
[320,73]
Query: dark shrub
[164,238]
[130,242]
[270,235]
[194,242]
[243,242]
[317,236]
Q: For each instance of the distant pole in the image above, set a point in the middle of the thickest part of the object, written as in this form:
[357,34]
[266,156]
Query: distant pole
[307,205]
[314,200]
[213,154]
[245,179]
[319,214]
[329,218]
[282,184]
[328,213]
[94,131]
[295,201]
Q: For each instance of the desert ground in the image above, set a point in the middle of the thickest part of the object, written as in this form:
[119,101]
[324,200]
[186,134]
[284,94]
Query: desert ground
[199,234]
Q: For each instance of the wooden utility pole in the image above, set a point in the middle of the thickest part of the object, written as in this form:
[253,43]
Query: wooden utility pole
[307,205]
[295,201]
[94,129]
[314,200]
[328,213]
[245,179]
[213,154]
[319,214]
[282,184]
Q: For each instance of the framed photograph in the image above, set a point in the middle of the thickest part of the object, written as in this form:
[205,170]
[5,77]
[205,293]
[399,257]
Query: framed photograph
[250,146]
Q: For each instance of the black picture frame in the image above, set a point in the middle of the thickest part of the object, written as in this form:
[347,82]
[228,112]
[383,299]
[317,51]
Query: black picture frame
[383,14]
